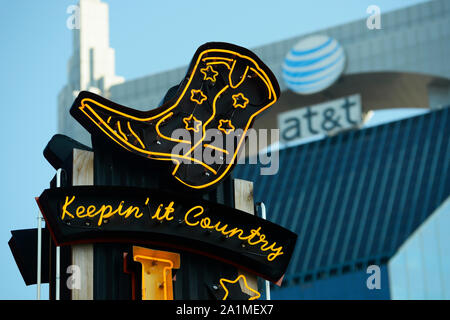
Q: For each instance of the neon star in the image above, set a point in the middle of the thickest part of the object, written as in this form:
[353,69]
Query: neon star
[198,96]
[236,280]
[240,101]
[209,73]
[192,123]
[229,127]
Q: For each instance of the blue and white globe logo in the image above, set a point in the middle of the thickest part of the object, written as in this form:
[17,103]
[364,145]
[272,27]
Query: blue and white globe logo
[313,64]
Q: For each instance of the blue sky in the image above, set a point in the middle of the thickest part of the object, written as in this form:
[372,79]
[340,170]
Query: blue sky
[148,36]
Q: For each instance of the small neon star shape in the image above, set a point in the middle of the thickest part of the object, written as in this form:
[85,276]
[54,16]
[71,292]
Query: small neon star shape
[225,126]
[223,280]
[209,73]
[198,96]
[192,123]
[240,101]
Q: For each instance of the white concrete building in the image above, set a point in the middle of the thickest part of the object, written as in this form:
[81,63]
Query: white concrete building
[91,66]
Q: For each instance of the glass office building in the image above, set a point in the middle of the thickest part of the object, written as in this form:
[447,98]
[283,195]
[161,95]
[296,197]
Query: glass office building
[420,268]
[353,199]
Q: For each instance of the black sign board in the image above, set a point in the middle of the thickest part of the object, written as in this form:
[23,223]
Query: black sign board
[89,214]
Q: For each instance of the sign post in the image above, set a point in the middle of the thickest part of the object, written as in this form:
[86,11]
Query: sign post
[83,254]
[39,256]
[243,200]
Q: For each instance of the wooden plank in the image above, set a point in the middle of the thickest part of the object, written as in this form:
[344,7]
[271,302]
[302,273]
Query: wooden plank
[243,200]
[83,168]
[83,254]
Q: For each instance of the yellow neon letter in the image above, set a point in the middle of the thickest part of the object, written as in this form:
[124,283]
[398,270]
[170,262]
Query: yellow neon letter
[103,215]
[169,210]
[195,216]
[277,252]
[156,215]
[64,208]
[79,212]
[90,210]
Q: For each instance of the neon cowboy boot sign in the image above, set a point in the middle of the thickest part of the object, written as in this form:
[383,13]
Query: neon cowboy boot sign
[225,88]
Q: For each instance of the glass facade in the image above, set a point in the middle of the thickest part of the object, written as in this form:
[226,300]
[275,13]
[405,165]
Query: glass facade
[354,198]
[348,286]
[421,267]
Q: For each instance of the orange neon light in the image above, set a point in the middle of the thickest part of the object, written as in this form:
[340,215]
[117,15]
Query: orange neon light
[271,92]
[258,70]
[156,272]
[232,160]
[219,62]
[100,115]
[193,217]
[164,136]
[215,148]
[242,78]
[126,145]
[135,135]
[253,237]
[228,124]
[216,58]
[165,269]
[195,93]
[120,131]
[237,97]
[223,281]
[196,123]
[265,81]
[207,73]
[206,123]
